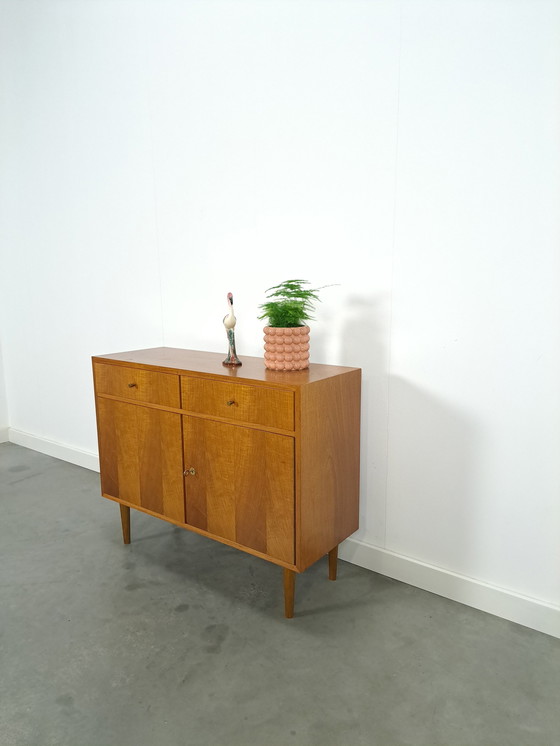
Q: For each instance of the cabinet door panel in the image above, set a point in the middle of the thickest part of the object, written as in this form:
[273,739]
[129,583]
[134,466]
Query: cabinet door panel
[141,457]
[209,493]
[243,488]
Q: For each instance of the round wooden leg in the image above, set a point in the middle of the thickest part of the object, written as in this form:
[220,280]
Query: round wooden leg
[333,557]
[125,523]
[289,591]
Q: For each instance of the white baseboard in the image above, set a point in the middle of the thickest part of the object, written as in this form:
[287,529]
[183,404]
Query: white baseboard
[529,612]
[73,455]
[4,435]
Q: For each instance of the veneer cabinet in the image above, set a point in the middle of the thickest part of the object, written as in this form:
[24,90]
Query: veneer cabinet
[261,460]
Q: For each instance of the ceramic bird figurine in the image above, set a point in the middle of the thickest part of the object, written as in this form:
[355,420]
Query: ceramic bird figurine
[229,323]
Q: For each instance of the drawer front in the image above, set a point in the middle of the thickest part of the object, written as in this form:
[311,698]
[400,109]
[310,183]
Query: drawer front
[252,404]
[138,384]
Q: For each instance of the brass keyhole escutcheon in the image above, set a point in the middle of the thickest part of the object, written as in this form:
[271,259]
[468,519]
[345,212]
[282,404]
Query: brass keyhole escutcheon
[191,472]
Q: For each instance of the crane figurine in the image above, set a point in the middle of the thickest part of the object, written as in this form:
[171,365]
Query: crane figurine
[229,323]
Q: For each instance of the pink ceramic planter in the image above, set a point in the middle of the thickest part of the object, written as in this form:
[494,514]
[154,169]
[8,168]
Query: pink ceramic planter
[286,348]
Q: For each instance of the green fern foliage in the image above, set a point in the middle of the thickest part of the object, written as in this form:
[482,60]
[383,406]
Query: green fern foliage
[289,304]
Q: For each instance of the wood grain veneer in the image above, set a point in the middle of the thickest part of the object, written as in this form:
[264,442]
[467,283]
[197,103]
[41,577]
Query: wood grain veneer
[176,360]
[140,456]
[137,384]
[262,405]
[243,488]
[262,460]
[330,458]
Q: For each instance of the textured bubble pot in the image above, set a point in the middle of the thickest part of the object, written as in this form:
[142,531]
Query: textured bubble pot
[286,348]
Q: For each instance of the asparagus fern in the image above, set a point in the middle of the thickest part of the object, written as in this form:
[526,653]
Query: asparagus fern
[290,304]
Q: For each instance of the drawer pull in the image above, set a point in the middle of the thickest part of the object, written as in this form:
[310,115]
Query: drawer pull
[132,385]
[231,402]
[191,471]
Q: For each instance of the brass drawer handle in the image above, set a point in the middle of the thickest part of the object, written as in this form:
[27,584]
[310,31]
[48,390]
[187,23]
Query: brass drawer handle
[231,402]
[132,385]
[191,471]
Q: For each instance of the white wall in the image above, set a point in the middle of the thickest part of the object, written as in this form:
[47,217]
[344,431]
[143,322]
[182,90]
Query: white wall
[4,419]
[157,155]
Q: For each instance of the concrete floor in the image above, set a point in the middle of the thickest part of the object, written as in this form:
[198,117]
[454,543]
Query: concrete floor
[176,639]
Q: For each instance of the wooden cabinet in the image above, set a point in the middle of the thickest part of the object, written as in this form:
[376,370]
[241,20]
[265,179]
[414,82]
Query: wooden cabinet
[264,461]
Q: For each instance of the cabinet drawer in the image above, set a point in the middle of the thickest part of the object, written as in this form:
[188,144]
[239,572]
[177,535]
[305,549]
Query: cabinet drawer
[138,384]
[252,404]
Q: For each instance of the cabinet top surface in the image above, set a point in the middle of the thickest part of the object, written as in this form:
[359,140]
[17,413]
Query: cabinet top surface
[210,363]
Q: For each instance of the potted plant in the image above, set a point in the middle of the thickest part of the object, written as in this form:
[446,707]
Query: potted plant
[286,338]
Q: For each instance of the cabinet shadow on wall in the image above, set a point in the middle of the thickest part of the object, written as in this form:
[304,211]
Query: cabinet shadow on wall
[361,335]
[419,453]
[432,510]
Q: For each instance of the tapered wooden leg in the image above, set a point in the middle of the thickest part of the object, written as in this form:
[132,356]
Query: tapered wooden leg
[333,557]
[289,590]
[125,522]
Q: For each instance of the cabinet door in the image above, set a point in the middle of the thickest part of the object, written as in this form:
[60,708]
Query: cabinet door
[243,485]
[141,457]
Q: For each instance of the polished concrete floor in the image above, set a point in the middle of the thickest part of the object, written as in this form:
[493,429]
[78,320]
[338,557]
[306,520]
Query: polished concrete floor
[177,640]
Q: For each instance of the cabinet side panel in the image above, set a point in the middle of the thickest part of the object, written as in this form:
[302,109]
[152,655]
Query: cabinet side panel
[330,464]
